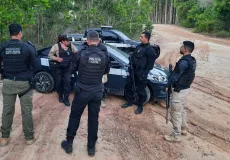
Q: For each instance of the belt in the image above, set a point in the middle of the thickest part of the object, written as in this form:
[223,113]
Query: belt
[17,78]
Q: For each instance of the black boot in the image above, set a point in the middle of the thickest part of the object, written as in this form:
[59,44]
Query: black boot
[66,101]
[60,98]
[139,110]
[67,146]
[126,105]
[91,151]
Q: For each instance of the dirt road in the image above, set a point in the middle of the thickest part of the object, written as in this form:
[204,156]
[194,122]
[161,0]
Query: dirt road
[126,136]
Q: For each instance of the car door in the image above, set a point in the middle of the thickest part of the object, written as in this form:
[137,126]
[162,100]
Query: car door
[117,77]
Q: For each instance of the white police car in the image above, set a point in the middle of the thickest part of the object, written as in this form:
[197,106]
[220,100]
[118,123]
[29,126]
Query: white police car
[117,77]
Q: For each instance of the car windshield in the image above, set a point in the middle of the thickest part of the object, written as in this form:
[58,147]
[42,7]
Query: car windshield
[122,35]
[118,53]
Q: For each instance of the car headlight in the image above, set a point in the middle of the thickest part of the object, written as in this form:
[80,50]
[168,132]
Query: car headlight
[159,78]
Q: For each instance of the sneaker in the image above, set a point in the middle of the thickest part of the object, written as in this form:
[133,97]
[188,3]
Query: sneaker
[4,142]
[139,110]
[172,138]
[103,105]
[29,142]
[68,147]
[126,105]
[184,132]
[91,151]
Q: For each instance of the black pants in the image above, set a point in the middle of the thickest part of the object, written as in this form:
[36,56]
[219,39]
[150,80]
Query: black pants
[63,77]
[81,99]
[140,83]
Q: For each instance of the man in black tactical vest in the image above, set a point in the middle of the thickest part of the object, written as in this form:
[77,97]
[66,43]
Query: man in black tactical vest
[105,77]
[143,60]
[91,63]
[19,63]
[62,53]
[181,80]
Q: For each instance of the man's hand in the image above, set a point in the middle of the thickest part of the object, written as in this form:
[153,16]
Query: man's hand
[59,59]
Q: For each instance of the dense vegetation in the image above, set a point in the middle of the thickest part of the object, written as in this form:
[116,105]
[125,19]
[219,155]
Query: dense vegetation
[46,19]
[43,20]
[211,16]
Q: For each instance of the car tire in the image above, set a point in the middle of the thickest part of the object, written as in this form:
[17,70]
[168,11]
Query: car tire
[44,82]
[148,93]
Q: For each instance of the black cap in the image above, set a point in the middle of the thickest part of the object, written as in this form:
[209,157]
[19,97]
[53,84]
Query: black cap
[92,35]
[14,29]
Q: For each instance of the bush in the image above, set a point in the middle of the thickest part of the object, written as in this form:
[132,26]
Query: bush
[222,33]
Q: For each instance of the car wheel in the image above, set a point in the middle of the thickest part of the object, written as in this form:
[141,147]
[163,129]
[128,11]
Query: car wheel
[148,93]
[44,82]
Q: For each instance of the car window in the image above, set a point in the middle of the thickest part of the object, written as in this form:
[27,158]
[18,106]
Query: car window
[122,35]
[114,63]
[109,36]
[122,56]
[78,46]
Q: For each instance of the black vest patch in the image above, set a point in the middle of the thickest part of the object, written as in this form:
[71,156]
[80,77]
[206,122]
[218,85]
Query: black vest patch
[94,60]
[13,50]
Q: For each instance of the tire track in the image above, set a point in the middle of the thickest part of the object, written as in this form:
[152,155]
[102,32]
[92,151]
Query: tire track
[197,126]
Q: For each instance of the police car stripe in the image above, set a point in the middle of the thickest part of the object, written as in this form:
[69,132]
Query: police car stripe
[115,71]
[44,62]
[122,45]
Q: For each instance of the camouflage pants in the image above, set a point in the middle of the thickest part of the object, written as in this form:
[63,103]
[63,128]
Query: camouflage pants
[10,91]
[178,110]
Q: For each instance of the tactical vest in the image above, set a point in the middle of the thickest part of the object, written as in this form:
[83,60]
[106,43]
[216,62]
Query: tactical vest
[188,76]
[14,60]
[92,65]
[67,56]
[139,58]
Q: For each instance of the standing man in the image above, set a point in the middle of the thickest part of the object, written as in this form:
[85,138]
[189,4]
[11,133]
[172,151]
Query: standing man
[91,63]
[181,80]
[18,58]
[62,53]
[143,60]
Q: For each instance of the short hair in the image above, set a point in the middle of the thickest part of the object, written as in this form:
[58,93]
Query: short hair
[62,37]
[93,36]
[147,35]
[14,29]
[189,46]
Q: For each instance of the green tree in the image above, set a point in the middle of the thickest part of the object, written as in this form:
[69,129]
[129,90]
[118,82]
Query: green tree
[21,11]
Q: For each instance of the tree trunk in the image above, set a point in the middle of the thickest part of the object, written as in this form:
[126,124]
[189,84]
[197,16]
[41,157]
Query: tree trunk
[166,10]
[38,37]
[157,12]
[160,10]
[171,12]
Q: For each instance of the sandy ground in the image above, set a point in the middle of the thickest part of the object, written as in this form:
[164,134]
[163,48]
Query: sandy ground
[126,136]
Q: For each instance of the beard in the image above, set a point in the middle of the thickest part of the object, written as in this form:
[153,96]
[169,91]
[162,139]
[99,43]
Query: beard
[181,52]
